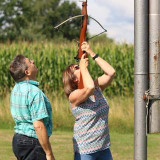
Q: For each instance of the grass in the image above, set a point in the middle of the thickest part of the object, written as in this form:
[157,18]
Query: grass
[121,114]
[121,119]
[122,146]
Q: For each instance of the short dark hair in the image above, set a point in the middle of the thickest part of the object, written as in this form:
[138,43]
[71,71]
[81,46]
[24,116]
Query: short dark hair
[17,67]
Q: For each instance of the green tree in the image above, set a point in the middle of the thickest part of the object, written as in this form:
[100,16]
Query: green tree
[35,19]
[15,15]
[102,39]
[64,11]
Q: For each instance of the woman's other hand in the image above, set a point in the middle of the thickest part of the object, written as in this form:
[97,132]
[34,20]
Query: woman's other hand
[86,48]
[83,62]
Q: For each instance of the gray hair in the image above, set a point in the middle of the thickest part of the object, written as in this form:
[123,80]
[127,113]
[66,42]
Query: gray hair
[17,67]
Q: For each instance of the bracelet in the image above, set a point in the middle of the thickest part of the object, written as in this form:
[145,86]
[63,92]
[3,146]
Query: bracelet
[95,57]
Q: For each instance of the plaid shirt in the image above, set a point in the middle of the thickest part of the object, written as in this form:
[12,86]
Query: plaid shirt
[28,104]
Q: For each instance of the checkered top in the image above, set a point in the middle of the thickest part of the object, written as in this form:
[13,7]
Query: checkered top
[91,132]
[28,104]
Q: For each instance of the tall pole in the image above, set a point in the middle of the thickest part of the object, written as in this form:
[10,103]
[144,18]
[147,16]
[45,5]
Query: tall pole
[154,65]
[140,77]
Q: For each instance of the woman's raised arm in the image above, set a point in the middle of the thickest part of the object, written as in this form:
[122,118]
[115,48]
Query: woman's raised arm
[109,72]
[80,95]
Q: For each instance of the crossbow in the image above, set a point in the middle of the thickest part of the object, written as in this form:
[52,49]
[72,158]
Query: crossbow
[84,18]
[83,30]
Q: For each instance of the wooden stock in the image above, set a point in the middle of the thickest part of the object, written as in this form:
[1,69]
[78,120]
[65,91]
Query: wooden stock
[82,37]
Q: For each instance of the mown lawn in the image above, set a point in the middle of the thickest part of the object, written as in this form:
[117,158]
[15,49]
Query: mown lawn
[122,146]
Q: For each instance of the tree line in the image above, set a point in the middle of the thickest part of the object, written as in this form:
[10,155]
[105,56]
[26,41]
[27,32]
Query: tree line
[35,19]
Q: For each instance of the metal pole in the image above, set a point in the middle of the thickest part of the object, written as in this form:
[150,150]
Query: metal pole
[141,78]
[154,65]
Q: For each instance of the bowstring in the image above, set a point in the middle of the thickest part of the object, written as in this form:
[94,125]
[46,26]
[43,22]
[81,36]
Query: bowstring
[104,30]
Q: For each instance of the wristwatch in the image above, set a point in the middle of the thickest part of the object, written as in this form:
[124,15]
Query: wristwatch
[95,57]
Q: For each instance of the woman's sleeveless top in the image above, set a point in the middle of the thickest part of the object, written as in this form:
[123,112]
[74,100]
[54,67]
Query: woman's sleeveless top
[91,132]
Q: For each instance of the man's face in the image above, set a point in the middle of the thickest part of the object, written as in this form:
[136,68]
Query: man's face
[31,72]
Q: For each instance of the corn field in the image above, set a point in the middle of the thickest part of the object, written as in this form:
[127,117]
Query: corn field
[52,58]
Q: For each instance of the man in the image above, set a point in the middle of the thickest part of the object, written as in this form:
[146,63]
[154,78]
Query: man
[31,111]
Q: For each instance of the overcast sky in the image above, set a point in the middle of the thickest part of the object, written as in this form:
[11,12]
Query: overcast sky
[117,16]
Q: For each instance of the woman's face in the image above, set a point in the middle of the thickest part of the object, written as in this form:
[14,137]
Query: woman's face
[76,72]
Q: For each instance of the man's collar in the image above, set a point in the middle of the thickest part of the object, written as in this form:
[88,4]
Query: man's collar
[29,81]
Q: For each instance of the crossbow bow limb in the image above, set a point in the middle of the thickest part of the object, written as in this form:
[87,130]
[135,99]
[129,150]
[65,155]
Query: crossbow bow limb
[84,18]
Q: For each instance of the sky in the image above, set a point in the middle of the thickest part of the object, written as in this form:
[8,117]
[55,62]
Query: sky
[117,16]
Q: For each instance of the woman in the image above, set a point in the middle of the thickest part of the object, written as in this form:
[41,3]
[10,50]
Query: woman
[91,138]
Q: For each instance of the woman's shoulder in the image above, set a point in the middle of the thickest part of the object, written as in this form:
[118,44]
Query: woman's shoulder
[97,88]
[72,95]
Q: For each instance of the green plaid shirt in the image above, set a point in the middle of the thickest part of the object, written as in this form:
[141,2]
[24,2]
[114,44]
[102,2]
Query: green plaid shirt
[28,104]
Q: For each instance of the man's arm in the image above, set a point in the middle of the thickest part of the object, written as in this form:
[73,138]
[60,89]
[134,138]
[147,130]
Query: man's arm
[43,138]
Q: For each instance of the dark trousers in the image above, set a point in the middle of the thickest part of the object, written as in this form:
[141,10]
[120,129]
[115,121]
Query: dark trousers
[27,148]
